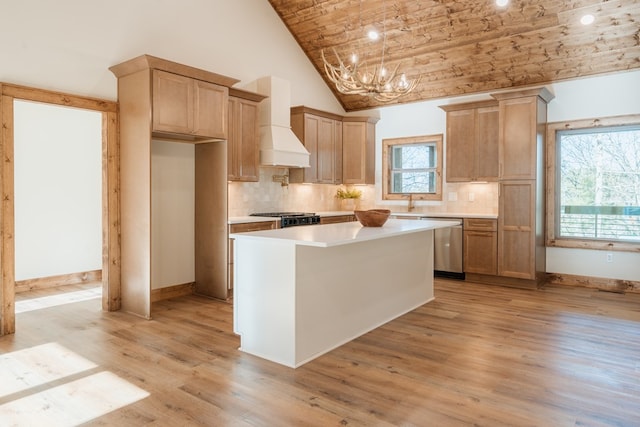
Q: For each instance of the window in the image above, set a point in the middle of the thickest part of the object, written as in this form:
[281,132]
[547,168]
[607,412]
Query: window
[412,166]
[597,183]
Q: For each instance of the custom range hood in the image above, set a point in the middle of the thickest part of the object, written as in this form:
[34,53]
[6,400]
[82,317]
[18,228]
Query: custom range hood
[279,146]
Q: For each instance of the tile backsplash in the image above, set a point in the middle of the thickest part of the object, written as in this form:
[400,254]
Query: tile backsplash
[268,196]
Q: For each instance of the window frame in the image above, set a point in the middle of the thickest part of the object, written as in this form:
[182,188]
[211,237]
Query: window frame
[552,179]
[387,146]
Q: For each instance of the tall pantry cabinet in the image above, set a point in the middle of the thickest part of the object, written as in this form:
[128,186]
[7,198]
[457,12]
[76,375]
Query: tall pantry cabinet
[521,246]
[160,99]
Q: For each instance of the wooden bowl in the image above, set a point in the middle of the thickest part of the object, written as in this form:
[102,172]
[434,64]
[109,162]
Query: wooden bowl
[372,217]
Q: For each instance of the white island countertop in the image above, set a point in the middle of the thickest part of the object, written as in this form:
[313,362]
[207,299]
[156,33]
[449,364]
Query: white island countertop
[344,233]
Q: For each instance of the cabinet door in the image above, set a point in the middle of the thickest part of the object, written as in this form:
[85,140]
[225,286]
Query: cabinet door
[461,145]
[242,142]
[516,229]
[172,103]
[518,138]
[249,153]
[487,137]
[358,148]
[326,151]
[337,155]
[210,110]
[312,129]
[233,146]
[480,252]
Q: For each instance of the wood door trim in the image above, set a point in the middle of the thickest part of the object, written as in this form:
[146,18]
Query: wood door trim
[110,191]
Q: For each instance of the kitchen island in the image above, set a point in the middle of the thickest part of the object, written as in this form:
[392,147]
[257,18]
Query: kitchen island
[303,291]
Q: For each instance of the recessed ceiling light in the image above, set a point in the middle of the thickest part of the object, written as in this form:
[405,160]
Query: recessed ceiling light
[587,19]
[502,3]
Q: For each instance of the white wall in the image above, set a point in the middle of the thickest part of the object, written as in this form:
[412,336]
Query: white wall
[68,45]
[172,213]
[58,190]
[604,96]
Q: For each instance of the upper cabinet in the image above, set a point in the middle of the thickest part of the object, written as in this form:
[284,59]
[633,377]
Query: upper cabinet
[472,141]
[186,106]
[523,118]
[321,134]
[182,102]
[358,150]
[243,144]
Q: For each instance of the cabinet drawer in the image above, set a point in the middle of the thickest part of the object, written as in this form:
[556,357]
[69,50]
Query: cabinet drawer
[246,227]
[478,224]
[337,219]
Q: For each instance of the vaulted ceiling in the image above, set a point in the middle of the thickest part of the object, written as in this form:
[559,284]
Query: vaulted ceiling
[469,46]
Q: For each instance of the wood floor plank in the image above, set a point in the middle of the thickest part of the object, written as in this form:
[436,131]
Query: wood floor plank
[477,355]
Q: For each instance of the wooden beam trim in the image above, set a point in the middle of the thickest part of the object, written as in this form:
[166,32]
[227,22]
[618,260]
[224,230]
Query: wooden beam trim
[7,246]
[58,98]
[111,260]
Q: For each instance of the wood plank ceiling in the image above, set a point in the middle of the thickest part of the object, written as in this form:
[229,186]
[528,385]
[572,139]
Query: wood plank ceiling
[470,46]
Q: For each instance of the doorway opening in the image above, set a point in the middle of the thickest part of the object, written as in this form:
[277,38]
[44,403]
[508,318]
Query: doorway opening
[57,196]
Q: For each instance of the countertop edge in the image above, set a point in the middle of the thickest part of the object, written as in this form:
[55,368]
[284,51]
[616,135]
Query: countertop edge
[249,219]
[341,233]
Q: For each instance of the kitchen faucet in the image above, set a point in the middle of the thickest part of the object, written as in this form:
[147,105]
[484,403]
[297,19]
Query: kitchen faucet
[410,207]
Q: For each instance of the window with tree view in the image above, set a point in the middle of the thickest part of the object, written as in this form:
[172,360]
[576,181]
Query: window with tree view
[599,184]
[413,166]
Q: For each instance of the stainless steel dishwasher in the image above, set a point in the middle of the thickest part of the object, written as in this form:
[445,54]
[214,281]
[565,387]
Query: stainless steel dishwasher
[447,249]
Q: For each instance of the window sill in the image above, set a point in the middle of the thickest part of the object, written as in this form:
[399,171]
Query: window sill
[600,245]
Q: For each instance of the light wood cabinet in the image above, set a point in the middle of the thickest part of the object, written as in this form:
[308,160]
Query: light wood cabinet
[472,141]
[521,247]
[143,117]
[480,246]
[358,150]
[520,153]
[321,134]
[337,219]
[516,247]
[243,144]
[245,227]
[186,106]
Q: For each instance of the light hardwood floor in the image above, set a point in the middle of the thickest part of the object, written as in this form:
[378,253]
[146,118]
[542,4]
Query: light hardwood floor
[477,355]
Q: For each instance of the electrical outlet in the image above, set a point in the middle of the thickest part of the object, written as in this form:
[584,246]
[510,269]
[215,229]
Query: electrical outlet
[472,197]
[453,196]
[609,257]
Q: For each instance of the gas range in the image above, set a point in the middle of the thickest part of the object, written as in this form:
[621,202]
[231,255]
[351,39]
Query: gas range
[292,219]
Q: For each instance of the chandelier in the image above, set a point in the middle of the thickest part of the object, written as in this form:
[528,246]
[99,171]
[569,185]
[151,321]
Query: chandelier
[360,78]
